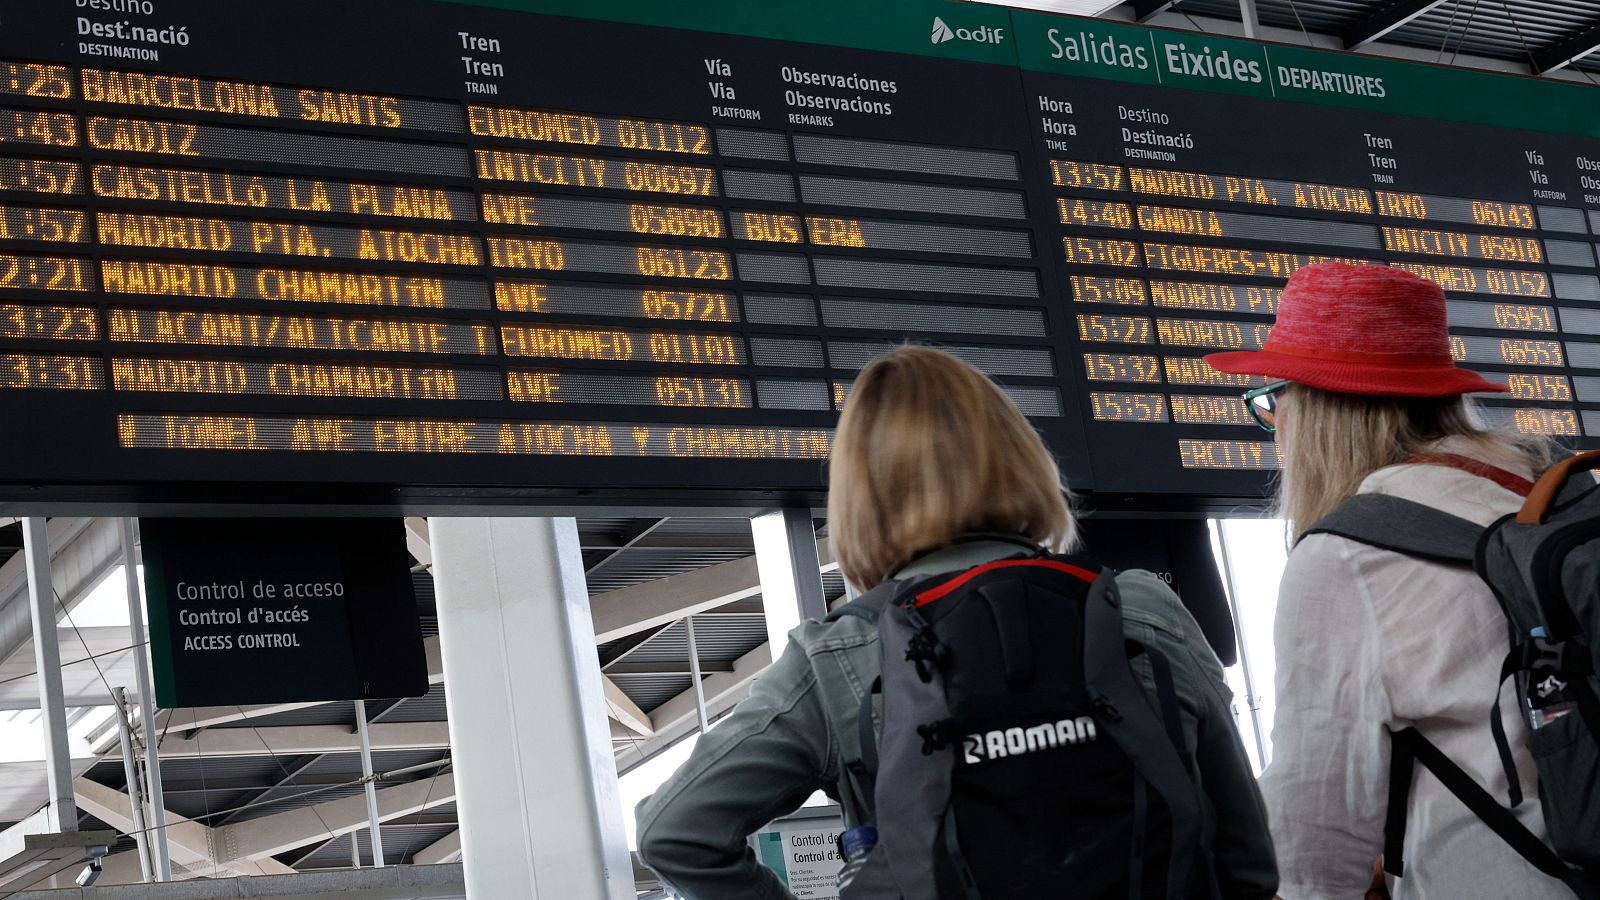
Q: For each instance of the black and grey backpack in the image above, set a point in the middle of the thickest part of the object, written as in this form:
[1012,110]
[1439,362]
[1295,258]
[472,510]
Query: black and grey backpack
[1018,757]
[1543,565]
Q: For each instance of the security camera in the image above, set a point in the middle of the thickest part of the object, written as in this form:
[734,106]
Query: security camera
[91,872]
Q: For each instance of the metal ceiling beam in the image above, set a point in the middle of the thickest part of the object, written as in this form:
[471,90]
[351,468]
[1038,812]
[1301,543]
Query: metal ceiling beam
[630,538]
[417,541]
[82,552]
[192,843]
[383,708]
[630,610]
[290,773]
[620,649]
[624,711]
[665,668]
[183,721]
[680,715]
[1145,10]
[445,850]
[269,836]
[108,651]
[311,850]
[684,543]
[301,740]
[1567,52]
[1364,31]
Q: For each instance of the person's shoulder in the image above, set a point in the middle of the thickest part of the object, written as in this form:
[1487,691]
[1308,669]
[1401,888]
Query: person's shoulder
[1144,586]
[842,629]
[1145,595]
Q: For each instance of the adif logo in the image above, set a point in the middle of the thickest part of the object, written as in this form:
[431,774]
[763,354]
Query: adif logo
[993,745]
[943,33]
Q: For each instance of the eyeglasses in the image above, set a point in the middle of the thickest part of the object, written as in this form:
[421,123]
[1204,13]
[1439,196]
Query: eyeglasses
[1263,404]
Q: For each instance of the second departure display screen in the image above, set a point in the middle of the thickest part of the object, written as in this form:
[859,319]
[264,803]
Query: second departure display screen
[481,250]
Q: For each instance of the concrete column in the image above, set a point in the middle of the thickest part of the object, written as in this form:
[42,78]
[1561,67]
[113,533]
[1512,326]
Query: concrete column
[791,574]
[541,816]
[62,812]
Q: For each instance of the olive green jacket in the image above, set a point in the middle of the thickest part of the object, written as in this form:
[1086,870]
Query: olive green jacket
[797,731]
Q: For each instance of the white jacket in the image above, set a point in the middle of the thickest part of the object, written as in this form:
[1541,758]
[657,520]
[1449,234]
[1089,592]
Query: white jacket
[1368,642]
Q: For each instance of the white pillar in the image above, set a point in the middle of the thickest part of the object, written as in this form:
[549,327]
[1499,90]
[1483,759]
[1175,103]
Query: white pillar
[160,858]
[791,574]
[536,779]
[62,812]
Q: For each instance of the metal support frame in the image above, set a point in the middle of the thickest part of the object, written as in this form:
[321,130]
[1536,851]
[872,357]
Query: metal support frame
[160,853]
[626,541]
[790,570]
[135,796]
[1247,15]
[1567,52]
[1252,698]
[62,812]
[1145,10]
[694,672]
[1396,15]
[374,828]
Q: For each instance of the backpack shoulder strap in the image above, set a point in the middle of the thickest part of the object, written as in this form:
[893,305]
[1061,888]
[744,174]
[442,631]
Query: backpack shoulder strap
[1404,526]
[1124,711]
[1409,748]
[868,606]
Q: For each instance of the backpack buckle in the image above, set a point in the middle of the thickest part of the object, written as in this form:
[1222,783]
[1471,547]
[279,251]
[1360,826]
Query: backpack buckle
[935,737]
[923,649]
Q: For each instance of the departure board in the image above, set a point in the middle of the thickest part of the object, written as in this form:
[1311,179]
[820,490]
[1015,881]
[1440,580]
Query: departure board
[455,252]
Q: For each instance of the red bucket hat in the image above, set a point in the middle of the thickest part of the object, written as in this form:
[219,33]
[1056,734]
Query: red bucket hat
[1359,330]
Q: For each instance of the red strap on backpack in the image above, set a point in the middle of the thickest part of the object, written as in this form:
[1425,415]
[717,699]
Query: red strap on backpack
[949,587]
[1511,481]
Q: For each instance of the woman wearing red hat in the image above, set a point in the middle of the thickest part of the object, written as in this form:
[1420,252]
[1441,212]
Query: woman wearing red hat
[1365,398]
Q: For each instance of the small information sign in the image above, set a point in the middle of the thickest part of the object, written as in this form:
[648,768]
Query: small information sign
[246,611]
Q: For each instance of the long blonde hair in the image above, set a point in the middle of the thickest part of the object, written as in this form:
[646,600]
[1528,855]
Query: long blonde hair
[929,449]
[1331,442]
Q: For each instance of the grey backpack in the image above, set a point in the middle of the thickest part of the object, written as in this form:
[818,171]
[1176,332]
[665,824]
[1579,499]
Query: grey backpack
[1019,758]
[1543,565]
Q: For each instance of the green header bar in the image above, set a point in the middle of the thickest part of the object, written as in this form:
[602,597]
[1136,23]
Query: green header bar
[1094,48]
[973,32]
[1097,48]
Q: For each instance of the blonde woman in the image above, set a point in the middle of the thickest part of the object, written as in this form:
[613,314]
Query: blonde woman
[934,471]
[1367,400]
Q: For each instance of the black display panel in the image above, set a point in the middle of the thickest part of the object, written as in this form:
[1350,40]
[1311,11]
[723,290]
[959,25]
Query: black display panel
[459,249]
[545,249]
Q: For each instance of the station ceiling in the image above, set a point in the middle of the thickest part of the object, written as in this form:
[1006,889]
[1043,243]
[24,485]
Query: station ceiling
[1537,37]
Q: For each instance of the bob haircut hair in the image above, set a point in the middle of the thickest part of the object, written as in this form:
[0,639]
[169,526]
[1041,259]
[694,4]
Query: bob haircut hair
[929,449]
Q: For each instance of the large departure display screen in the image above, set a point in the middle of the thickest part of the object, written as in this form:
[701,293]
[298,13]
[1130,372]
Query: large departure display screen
[546,247]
